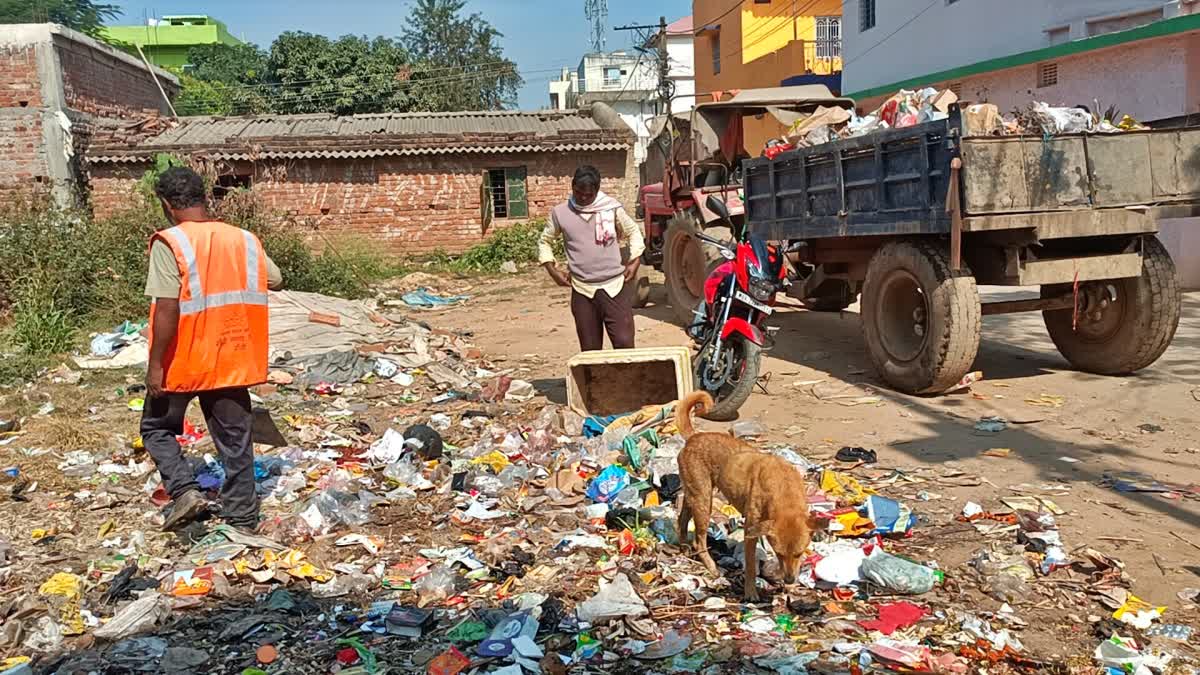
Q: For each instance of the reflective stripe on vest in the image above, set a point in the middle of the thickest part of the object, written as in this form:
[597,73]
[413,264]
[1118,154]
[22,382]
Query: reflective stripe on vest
[198,302]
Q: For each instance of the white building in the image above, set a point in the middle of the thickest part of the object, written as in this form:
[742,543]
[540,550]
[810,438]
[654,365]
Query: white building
[629,82]
[681,64]
[1141,56]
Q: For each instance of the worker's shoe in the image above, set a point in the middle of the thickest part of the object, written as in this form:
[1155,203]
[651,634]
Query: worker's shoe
[189,507]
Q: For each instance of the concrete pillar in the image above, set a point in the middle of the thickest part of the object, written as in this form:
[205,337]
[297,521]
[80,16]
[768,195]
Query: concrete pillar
[56,138]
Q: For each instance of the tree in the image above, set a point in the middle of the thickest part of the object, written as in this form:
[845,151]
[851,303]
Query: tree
[311,73]
[85,16]
[225,80]
[460,63]
[444,62]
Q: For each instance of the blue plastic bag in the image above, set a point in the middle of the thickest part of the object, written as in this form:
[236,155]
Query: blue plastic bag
[611,480]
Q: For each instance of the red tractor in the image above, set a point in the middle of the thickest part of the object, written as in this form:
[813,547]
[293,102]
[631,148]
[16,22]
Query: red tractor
[700,154]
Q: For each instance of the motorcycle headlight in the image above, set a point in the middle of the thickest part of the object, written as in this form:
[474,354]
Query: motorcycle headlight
[762,289]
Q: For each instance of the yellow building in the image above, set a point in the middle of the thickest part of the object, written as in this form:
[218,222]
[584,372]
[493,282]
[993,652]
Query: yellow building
[752,44]
[749,44]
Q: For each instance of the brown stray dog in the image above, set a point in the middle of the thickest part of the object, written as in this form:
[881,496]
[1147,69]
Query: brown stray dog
[767,490]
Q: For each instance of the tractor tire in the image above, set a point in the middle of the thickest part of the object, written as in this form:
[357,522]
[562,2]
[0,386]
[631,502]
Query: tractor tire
[920,322]
[687,262]
[1133,331]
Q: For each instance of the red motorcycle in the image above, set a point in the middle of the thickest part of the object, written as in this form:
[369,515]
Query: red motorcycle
[738,297]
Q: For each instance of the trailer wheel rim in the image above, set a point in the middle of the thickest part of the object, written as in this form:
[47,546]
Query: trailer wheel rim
[686,250]
[902,315]
[1111,317]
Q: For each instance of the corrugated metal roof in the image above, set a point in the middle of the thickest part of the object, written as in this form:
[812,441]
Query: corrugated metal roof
[325,135]
[210,130]
[377,152]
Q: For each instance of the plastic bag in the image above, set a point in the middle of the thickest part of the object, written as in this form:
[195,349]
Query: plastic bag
[615,599]
[437,585]
[138,616]
[897,573]
[611,481]
[1062,120]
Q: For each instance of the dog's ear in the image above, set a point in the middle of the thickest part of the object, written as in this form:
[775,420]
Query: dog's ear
[762,529]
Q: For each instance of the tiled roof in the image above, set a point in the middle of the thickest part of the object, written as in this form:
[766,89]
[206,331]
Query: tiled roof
[332,136]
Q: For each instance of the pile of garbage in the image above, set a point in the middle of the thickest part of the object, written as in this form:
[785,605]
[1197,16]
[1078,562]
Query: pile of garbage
[426,514]
[909,108]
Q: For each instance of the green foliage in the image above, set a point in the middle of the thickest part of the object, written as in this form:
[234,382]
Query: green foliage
[445,43]
[345,76]
[85,16]
[518,243]
[149,180]
[62,272]
[445,61]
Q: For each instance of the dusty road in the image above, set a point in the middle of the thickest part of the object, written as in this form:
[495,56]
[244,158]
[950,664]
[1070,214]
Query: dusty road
[1063,452]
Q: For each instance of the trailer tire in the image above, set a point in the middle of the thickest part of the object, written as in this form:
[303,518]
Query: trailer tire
[921,323]
[687,262]
[1136,333]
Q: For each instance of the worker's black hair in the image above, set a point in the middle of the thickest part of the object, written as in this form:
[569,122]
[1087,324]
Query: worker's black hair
[587,176]
[181,187]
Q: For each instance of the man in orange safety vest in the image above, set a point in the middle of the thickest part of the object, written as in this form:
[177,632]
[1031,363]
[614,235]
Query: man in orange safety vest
[208,286]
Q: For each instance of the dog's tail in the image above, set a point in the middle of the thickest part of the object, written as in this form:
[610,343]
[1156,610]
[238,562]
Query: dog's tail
[683,411]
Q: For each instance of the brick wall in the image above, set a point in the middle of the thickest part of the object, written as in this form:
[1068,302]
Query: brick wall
[410,205]
[19,86]
[22,159]
[23,171]
[104,84]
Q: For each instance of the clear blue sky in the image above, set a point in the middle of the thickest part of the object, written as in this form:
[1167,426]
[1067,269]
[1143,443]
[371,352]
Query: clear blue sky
[538,34]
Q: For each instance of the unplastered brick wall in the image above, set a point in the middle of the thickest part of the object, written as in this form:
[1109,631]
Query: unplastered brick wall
[19,86]
[23,171]
[418,205]
[99,82]
[408,205]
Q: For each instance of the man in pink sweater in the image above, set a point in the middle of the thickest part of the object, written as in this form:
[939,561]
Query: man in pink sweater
[592,225]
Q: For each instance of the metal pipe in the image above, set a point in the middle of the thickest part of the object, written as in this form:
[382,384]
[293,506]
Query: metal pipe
[1032,305]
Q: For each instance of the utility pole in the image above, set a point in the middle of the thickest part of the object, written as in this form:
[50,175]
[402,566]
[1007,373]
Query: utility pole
[666,87]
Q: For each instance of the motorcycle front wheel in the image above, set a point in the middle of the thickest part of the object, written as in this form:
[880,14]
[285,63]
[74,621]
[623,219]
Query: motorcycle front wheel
[730,378]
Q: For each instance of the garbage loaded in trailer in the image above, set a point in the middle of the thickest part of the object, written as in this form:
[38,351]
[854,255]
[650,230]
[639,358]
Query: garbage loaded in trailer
[915,218]
[699,154]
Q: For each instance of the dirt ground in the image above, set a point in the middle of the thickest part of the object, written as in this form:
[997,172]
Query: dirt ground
[1099,429]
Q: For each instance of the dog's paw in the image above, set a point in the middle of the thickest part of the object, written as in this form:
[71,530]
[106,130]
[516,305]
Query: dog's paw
[751,595]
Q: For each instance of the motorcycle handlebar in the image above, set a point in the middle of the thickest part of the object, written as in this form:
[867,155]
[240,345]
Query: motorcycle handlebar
[714,241]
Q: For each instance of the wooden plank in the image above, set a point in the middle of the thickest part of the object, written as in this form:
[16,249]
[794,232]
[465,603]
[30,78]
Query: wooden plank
[1120,168]
[994,176]
[1065,224]
[1091,268]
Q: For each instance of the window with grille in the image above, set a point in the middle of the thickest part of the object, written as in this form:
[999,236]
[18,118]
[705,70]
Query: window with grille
[829,37]
[866,15]
[1047,75]
[715,40]
[507,190]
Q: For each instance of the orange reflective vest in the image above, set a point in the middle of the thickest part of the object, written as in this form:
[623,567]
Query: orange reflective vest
[222,339]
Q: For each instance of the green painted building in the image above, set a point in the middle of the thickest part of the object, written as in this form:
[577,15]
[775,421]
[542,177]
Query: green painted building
[166,41]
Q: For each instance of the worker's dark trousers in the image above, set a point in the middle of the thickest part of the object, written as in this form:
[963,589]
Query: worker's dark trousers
[600,313]
[229,417]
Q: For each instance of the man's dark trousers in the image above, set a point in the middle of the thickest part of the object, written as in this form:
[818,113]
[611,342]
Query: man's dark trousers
[230,418]
[596,315]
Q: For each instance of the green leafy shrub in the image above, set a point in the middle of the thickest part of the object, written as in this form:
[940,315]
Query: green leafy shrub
[518,243]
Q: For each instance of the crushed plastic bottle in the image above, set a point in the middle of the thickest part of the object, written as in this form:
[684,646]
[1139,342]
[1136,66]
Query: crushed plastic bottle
[898,574]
